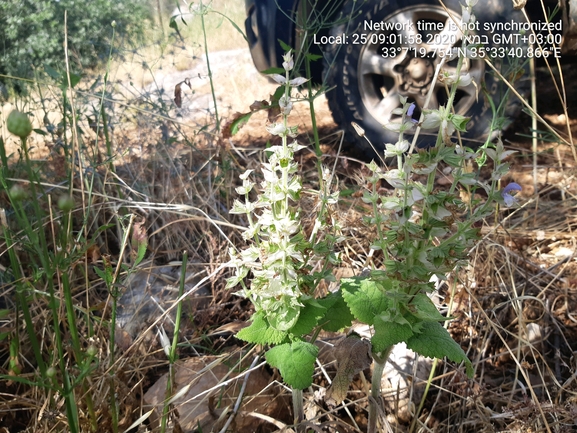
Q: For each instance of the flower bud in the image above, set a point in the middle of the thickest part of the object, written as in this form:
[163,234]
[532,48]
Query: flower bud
[92,350]
[17,193]
[65,203]
[19,124]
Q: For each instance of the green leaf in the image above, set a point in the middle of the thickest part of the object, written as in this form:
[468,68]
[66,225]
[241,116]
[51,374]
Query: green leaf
[460,122]
[308,318]
[423,308]
[388,334]
[365,298]
[239,122]
[295,361]
[260,332]
[105,275]
[313,57]
[434,341]
[53,73]
[74,80]
[40,132]
[278,93]
[286,47]
[338,315]
[172,23]
[270,71]
[142,247]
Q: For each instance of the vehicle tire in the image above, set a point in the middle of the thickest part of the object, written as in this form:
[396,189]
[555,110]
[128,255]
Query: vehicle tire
[366,80]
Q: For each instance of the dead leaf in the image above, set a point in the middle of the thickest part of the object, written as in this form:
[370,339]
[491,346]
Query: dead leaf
[194,376]
[178,92]
[258,105]
[178,95]
[353,355]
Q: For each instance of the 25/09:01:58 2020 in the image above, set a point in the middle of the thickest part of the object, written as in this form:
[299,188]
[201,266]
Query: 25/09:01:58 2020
[438,39]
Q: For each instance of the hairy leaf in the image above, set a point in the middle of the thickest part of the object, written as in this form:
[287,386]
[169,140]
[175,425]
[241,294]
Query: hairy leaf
[423,308]
[388,334]
[434,341]
[260,332]
[308,318]
[353,355]
[338,314]
[365,298]
[295,361]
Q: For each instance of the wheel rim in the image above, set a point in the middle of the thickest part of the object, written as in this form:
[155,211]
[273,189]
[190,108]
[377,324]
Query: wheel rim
[409,72]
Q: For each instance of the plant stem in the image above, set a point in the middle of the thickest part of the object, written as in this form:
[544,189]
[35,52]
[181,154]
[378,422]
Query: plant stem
[298,409]
[202,13]
[380,362]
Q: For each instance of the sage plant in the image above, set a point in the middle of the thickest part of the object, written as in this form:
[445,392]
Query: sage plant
[423,234]
[285,266]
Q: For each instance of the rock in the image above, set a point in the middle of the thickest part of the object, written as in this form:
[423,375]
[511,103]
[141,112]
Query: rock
[149,294]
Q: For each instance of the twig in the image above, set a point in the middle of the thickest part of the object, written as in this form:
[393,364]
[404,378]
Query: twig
[240,395]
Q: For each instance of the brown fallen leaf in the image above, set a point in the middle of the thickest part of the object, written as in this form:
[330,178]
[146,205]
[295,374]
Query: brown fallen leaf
[353,355]
[178,92]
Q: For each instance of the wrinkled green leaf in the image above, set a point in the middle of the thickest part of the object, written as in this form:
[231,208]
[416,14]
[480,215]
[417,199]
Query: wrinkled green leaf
[338,315]
[365,298]
[423,308]
[308,318]
[260,332]
[388,334]
[434,341]
[295,361]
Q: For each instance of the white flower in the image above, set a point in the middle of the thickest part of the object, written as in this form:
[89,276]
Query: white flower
[288,62]
[239,207]
[298,81]
[465,80]
[399,148]
[277,129]
[244,189]
[432,120]
[246,174]
[278,78]
[447,128]
[395,178]
[250,256]
[286,104]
